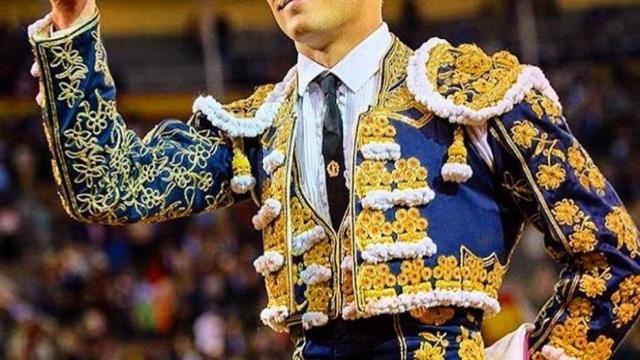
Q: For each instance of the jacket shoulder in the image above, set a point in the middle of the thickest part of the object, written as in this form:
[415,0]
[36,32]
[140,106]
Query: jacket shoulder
[466,85]
[247,107]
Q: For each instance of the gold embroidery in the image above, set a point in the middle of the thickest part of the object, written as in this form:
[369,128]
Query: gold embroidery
[277,288]
[246,108]
[372,175]
[101,59]
[471,346]
[626,301]
[585,170]
[524,133]
[432,346]
[551,174]
[318,296]
[433,316]
[571,335]
[372,228]
[410,226]
[73,72]
[409,174]
[596,274]
[301,217]
[583,239]
[375,128]
[542,105]
[447,273]
[620,223]
[468,76]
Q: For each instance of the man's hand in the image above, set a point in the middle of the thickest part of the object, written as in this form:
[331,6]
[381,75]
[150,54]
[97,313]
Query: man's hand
[65,12]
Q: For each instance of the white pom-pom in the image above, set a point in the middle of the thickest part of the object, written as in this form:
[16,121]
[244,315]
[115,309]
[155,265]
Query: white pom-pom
[459,173]
[269,262]
[242,184]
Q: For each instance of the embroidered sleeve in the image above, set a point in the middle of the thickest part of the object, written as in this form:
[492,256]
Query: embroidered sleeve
[104,171]
[587,229]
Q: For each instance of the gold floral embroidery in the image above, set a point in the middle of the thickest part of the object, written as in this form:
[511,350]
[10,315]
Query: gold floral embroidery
[620,223]
[471,346]
[551,176]
[375,128]
[73,72]
[432,346]
[473,274]
[101,59]
[447,273]
[468,76]
[409,174]
[571,335]
[318,296]
[372,175]
[246,108]
[626,301]
[376,280]
[301,217]
[583,239]
[585,170]
[372,228]
[412,271]
[409,225]
[319,254]
[277,288]
[523,133]
[596,274]
[542,105]
[551,173]
[433,316]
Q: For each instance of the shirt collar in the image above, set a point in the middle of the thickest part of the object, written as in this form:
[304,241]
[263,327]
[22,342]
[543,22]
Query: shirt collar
[365,57]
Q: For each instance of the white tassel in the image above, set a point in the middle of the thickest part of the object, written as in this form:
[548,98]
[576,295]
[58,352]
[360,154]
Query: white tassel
[267,213]
[459,173]
[242,184]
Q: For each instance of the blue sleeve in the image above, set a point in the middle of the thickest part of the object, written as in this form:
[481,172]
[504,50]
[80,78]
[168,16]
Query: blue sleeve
[107,174]
[587,230]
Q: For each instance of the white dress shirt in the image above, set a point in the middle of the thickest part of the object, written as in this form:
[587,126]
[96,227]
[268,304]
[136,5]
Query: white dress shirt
[359,74]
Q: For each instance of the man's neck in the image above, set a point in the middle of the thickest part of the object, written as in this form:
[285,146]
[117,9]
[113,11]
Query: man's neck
[329,49]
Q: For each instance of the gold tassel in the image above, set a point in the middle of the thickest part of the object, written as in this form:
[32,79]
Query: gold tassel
[242,180]
[456,168]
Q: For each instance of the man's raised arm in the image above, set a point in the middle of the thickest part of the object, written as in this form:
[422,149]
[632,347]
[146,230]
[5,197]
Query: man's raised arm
[104,171]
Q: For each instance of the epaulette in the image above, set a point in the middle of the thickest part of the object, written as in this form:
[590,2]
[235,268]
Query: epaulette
[246,118]
[468,87]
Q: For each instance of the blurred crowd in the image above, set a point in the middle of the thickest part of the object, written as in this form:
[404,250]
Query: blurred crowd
[186,290]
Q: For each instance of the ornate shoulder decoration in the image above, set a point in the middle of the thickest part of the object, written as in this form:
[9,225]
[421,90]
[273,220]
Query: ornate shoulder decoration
[466,86]
[249,117]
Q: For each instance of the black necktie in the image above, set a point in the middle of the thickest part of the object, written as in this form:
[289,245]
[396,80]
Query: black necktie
[332,140]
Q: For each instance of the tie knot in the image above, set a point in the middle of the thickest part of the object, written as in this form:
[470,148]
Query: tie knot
[328,83]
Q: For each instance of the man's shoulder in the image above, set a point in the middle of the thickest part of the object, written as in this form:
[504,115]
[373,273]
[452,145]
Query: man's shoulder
[466,85]
[248,106]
